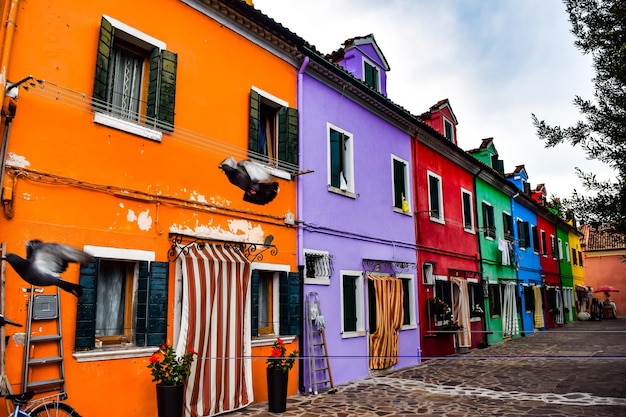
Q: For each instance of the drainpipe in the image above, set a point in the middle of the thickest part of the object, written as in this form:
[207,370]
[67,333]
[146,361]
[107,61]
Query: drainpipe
[299,230]
[6,34]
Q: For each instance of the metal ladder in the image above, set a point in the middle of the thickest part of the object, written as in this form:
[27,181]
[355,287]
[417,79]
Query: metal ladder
[317,357]
[46,309]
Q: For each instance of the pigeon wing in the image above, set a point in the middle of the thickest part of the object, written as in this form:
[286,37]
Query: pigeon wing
[31,246]
[256,172]
[55,257]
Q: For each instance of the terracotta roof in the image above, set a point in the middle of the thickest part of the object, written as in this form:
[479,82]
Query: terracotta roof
[602,240]
[484,144]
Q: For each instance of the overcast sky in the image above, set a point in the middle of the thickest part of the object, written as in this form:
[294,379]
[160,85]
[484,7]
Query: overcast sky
[497,61]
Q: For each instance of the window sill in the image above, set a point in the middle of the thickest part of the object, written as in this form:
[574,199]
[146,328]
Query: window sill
[317,281]
[351,335]
[339,191]
[126,126]
[270,339]
[400,211]
[409,327]
[475,319]
[437,220]
[116,352]
[472,231]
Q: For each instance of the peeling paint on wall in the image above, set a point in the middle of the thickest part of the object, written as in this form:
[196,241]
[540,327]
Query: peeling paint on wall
[131,217]
[197,197]
[238,230]
[17,160]
[144,221]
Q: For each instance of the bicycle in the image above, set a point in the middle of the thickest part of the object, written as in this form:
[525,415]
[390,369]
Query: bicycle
[50,406]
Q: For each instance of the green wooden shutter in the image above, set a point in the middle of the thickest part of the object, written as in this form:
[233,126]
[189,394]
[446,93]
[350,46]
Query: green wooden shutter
[141,323]
[86,309]
[336,158]
[254,301]
[255,118]
[157,303]
[162,89]
[288,136]
[398,182]
[105,49]
[349,303]
[290,307]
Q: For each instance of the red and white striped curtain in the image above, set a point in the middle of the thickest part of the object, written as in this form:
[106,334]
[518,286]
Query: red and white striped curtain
[215,323]
[389,318]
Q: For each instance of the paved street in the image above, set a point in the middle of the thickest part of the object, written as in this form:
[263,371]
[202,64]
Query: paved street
[576,370]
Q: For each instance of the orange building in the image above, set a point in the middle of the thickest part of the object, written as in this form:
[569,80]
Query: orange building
[116,116]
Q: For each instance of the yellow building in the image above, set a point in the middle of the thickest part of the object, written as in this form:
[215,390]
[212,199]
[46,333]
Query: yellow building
[116,117]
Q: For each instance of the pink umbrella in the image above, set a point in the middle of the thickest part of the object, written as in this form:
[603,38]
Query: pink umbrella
[606,288]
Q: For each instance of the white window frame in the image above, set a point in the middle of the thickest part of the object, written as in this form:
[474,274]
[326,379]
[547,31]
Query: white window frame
[319,279]
[375,66]
[349,161]
[275,268]
[544,249]
[446,120]
[120,124]
[493,215]
[115,351]
[441,218]
[360,304]
[567,254]
[472,228]
[407,185]
[428,273]
[412,318]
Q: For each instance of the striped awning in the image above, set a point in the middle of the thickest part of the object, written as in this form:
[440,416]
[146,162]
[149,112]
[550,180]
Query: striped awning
[215,323]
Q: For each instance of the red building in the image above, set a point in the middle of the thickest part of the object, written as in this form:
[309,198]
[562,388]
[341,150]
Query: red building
[447,243]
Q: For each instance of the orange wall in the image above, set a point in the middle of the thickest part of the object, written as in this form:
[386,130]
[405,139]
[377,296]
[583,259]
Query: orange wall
[175,183]
[607,268]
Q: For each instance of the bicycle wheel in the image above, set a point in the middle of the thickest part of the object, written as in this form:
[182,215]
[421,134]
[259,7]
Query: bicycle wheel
[54,409]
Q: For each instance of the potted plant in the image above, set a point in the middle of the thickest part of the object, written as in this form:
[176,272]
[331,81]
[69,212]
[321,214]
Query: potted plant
[442,313]
[170,373]
[278,366]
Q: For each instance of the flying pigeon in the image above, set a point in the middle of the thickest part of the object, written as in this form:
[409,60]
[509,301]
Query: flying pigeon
[45,261]
[255,180]
[4,321]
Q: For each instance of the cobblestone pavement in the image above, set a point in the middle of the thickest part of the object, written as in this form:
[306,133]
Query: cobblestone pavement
[575,370]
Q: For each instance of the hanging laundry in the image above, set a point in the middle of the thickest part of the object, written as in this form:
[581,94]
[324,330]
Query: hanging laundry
[503,247]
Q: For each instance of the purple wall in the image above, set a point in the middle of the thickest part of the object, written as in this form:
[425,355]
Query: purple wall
[352,229]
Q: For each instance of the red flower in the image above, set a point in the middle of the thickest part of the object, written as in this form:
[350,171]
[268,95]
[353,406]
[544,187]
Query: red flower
[276,353]
[154,358]
[280,341]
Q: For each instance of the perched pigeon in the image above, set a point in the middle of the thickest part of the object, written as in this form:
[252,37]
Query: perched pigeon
[45,261]
[252,178]
[4,321]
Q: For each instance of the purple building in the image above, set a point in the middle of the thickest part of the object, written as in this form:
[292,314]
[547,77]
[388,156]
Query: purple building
[356,235]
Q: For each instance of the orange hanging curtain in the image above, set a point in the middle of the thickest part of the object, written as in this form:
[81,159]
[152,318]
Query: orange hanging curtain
[389,319]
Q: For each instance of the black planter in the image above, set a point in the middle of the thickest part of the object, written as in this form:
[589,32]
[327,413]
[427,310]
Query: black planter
[277,390]
[170,400]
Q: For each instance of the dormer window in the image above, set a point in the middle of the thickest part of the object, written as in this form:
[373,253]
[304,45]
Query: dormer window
[448,130]
[371,75]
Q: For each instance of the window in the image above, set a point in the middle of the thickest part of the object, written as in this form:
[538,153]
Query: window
[574,258]
[428,277]
[443,290]
[408,301]
[544,243]
[371,75]
[560,248]
[124,300]
[468,210]
[352,304]
[340,160]
[567,251]
[135,81]
[507,223]
[535,239]
[476,299]
[448,128]
[529,298]
[275,300]
[273,131]
[435,198]
[553,246]
[400,175]
[523,233]
[488,221]
[317,267]
[580,258]
[495,303]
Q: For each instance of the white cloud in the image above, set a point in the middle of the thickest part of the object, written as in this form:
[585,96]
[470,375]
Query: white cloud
[496,61]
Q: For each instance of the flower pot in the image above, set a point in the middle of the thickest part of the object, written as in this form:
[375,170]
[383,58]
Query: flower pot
[277,390]
[170,400]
